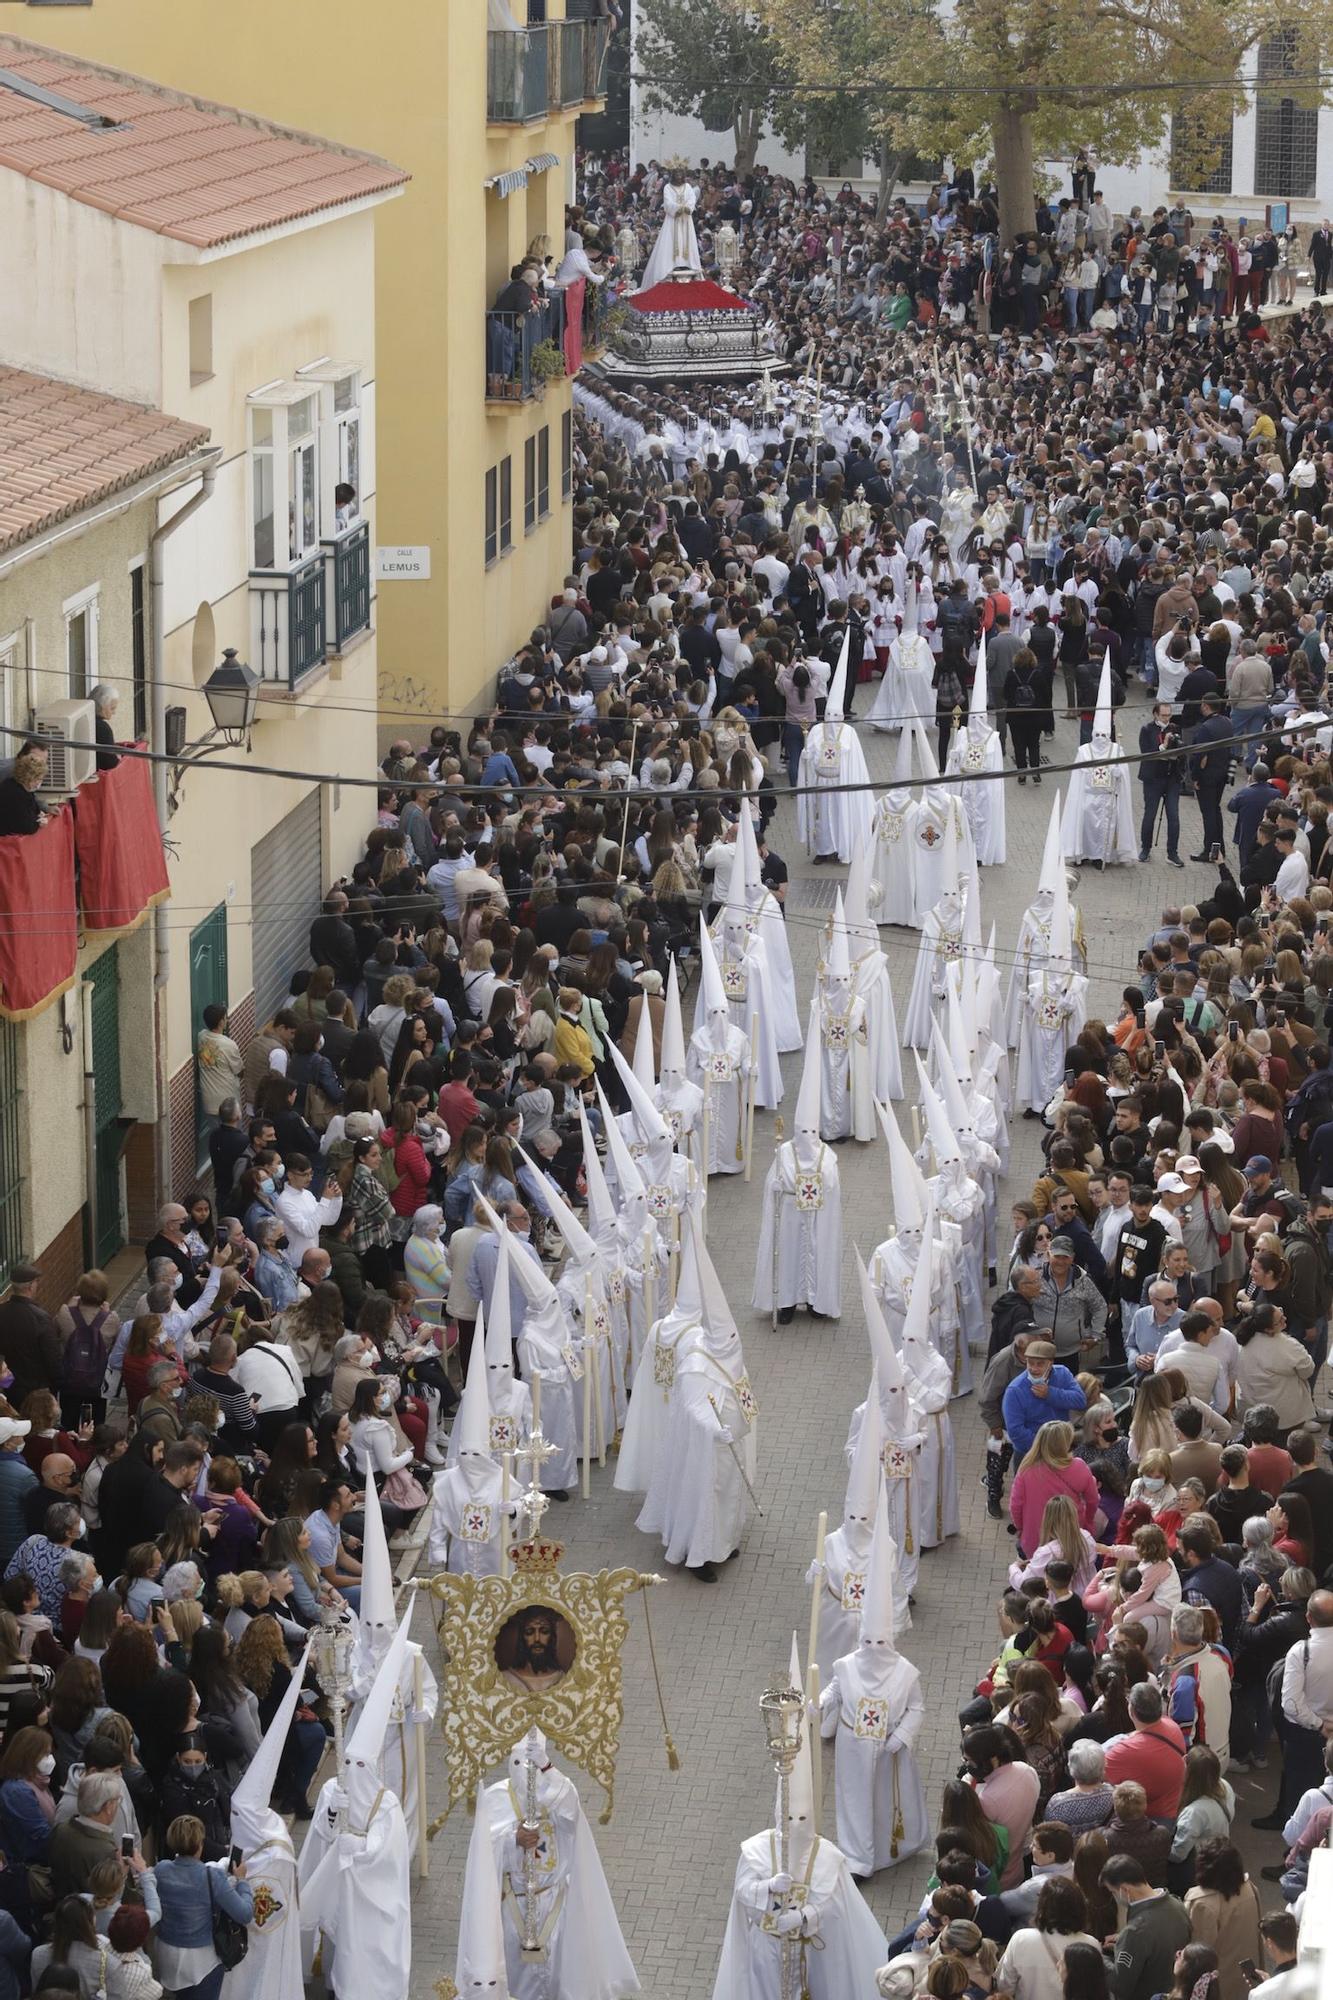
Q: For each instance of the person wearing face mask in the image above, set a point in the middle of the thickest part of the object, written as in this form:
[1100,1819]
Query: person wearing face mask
[42,1556]
[27,1809]
[376,1451]
[1044,1393]
[274,1276]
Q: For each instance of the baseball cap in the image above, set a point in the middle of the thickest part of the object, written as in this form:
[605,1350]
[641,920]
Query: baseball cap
[1061,1246]
[1260,1164]
[1172,1184]
[1187,1164]
[11,1428]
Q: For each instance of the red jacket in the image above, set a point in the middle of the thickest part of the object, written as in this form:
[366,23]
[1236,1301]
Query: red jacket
[1154,1758]
[413,1189]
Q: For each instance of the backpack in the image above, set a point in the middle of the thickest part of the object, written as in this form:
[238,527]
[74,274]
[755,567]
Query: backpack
[1024,695]
[84,1363]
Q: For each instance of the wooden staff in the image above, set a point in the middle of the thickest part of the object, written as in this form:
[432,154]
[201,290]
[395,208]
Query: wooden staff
[673,1260]
[816,1742]
[708,1107]
[916,1128]
[624,818]
[597,1354]
[587,1419]
[818,1591]
[754,1086]
[649,1277]
[419,1707]
[967,427]
[506,1465]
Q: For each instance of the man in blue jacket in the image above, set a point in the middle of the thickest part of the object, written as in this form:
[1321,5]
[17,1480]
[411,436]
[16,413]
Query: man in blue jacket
[1044,1393]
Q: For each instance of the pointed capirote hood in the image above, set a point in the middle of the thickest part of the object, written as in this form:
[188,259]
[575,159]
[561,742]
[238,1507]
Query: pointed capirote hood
[747,852]
[916,1320]
[628,1178]
[720,1328]
[472,1423]
[577,1240]
[365,1745]
[930,767]
[858,1508]
[977,705]
[1060,955]
[862,930]
[1101,719]
[601,1209]
[253,1821]
[499,1327]
[479,1969]
[1052,856]
[689,1300]
[883,1354]
[534,1284]
[911,607]
[801,1783]
[736,908]
[906,1179]
[960,974]
[836,699]
[877,1620]
[972,901]
[838,964]
[673,1027]
[643,1048]
[652,1126]
[710,975]
[809,1097]
[378,1616]
[943,1138]
[949,1090]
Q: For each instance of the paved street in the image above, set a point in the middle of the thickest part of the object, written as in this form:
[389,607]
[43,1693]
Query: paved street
[670,1850]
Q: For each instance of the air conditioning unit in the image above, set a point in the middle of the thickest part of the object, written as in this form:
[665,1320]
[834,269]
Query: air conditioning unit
[69,731]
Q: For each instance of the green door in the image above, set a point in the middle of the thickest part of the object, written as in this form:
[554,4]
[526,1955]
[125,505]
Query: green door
[108,1234]
[208,987]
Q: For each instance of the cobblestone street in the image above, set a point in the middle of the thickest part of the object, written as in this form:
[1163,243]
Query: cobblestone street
[670,1849]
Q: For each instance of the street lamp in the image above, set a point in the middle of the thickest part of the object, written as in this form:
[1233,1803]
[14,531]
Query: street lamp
[232,694]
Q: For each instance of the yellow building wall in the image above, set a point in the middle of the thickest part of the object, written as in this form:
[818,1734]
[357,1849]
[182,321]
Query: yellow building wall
[415,92]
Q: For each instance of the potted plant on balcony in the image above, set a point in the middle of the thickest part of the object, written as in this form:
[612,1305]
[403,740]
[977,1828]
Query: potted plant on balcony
[548,362]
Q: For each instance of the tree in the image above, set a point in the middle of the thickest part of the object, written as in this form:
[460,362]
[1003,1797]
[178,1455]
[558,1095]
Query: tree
[1010,83]
[714,60]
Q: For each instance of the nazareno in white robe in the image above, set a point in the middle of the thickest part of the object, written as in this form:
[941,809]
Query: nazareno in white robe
[358,1896]
[901,1493]
[830,821]
[853,1946]
[873,1707]
[1098,821]
[983,798]
[586,1957]
[698,1504]
[940,943]
[802,1216]
[746,984]
[930,880]
[929,1386]
[846,1559]
[892,892]
[718,1060]
[1057,1007]
[906,688]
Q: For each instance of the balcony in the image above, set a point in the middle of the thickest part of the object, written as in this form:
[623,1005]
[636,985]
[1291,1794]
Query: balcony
[347,584]
[287,623]
[511,342]
[533,72]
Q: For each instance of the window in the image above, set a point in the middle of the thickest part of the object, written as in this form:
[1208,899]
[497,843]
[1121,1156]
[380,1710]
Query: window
[9,656]
[529,485]
[81,642]
[303,505]
[1201,151]
[1286,134]
[492,544]
[11,1159]
[201,339]
[506,505]
[347,424]
[543,472]
[261,487]
[139,652]
[567,455]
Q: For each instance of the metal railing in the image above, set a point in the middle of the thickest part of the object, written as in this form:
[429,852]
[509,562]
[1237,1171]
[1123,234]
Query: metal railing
[287,622]
[347,583]
[555,65]
[511,339]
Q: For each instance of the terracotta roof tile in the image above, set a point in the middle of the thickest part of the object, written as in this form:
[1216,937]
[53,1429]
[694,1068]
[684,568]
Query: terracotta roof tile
[62,449]
[202,173]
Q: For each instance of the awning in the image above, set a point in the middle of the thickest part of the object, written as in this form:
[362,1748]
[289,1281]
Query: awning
[507,184]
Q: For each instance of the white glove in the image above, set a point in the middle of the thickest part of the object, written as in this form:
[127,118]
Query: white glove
[787,1923]
[726,1436]
[778,1885]
[893,1742]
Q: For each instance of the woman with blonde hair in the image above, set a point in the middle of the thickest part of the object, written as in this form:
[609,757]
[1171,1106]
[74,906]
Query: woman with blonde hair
[1063,1539]
[1153,1485]
[1151,1427]
[1048,1470]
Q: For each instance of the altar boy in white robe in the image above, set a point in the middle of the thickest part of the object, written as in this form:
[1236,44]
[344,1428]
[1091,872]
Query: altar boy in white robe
[808,1910]
[719,1062]
[583,1955]
[833,823]
[800,1233]
[873,1708]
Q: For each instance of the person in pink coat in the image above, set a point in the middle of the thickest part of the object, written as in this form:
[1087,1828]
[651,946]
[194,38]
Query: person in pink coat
[1049,1469]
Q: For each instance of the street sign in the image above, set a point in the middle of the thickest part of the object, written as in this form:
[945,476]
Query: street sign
[403,564]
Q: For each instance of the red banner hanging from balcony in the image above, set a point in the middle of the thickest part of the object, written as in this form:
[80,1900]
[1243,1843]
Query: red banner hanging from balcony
[574,325]
[39,928]
[122,868]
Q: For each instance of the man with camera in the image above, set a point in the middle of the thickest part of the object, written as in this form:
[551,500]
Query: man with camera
[1161,777]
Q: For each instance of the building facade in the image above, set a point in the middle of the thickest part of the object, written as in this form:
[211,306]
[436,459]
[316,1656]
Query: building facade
[202,263]
[480,104]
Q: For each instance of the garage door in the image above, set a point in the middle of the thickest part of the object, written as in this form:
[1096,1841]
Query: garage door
[286,888]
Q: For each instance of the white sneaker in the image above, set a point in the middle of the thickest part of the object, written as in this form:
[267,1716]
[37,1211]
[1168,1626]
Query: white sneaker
[433,1454]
